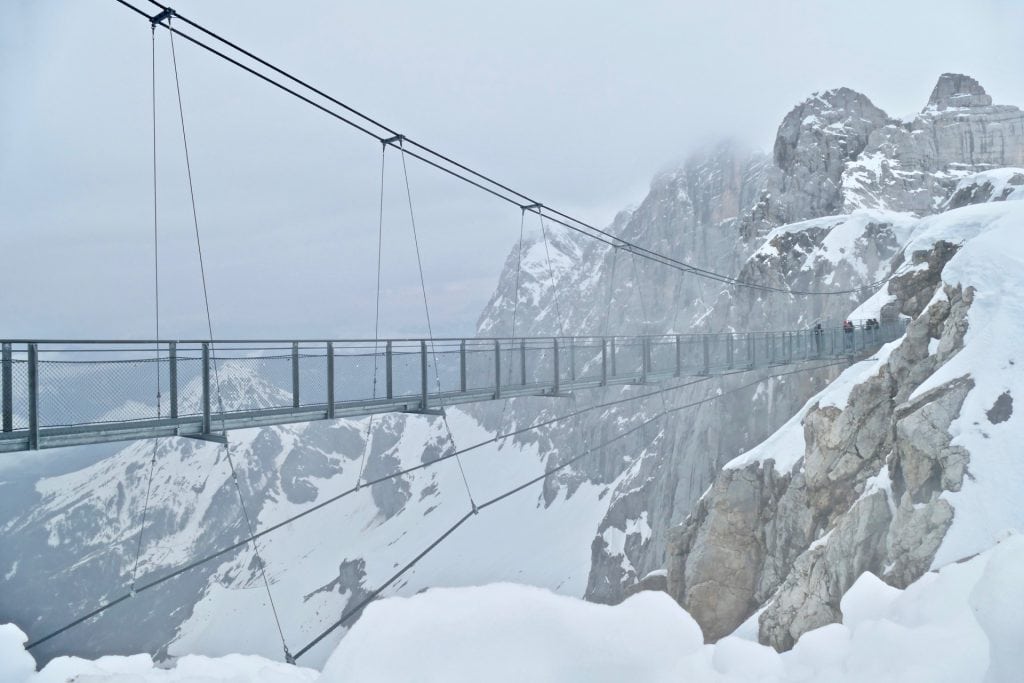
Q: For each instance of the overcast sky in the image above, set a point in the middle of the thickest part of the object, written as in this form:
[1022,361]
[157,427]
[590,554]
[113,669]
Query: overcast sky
[577,103]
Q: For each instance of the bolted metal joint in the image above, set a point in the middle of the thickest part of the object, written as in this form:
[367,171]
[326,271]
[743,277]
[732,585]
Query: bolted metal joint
[165,14]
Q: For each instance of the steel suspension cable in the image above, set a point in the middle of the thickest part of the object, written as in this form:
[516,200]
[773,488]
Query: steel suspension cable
[561,330]
[376,316]
[515,310]
[646,326]
[611,292]
[430,328]
[156,300]
[551,276]
[463,172]
[216,370]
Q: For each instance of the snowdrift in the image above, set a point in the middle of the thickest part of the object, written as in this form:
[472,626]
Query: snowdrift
[962,623]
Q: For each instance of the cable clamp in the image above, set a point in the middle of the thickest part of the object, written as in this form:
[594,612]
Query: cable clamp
[536,206]
[167,13]
[392,140]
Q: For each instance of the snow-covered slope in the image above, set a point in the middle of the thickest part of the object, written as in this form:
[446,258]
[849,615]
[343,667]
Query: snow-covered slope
[961,624]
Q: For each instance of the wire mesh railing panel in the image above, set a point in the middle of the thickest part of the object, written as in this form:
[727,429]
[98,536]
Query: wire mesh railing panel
[106,383]
[407,372]
[443,369]
[588,359]
[663,355]
[255,383]
[692,355]
[19,394]
[85,392]
[540,362]
[312,379]
[512,364]
[354,373]
[190,385]
[480,366]
[628,357]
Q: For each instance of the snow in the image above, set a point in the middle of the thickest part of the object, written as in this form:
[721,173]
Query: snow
[992,261]
[844,237]
[517,540]
[1006,183]
[786,446]
[960,624]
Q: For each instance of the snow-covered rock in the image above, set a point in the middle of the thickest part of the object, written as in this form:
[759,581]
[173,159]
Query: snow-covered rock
[896,468]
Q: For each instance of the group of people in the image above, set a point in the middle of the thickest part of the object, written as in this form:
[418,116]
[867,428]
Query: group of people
[871,327]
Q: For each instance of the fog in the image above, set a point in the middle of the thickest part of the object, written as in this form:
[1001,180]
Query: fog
[578,104]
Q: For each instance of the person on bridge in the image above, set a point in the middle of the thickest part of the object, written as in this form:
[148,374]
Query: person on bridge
[848,335]
[817,332]
[870,329]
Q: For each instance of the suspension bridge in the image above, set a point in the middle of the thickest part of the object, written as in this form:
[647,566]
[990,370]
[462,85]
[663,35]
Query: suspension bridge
[68,392]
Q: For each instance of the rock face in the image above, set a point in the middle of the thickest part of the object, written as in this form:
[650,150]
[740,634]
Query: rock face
[863,496]
[914,166]
[730,211]
[815,142]
[956,91]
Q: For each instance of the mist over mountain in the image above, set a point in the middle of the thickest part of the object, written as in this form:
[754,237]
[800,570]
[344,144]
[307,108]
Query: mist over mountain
[757,512]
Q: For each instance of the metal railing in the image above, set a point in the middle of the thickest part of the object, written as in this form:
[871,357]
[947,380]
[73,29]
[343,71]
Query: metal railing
[68,392]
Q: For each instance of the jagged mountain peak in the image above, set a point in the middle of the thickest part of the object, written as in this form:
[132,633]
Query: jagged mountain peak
[842,114]
[953,91]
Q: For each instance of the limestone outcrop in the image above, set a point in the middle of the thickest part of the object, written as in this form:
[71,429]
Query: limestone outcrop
[862,496]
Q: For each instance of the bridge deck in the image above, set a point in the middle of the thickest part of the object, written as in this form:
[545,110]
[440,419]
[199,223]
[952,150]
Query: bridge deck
[63,393]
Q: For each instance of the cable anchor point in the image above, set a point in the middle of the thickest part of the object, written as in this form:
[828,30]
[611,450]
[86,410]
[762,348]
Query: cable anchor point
[166,13]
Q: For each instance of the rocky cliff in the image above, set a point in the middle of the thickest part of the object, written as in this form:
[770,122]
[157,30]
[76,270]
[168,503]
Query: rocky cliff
[794,221]
[865,478]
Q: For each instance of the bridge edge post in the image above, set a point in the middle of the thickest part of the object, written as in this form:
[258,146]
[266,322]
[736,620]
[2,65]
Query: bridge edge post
[172,373]
[389,369]
[557,371]
[7,361]
[330,380]
[462,365]
[497,368]
[522,362]
[33,397]
[206,388]
[295,374]
[604,362]
[423,375]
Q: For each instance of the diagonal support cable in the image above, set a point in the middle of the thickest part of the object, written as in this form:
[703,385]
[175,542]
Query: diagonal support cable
[156,299]
[376,317]
[430,329]
[209,323]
